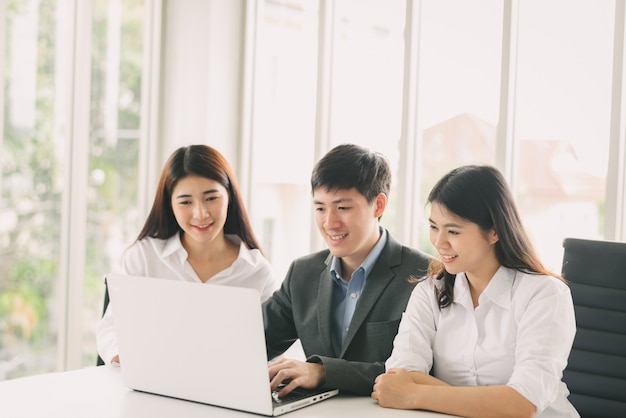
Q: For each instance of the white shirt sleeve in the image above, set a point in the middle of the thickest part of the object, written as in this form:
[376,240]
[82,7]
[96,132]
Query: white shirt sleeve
[545,335]
[520,335]
[412,346]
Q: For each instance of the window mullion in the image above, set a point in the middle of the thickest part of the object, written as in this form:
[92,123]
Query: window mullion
[326,25]
[74,213]
[409,175]
[506,122]
[150,137]
[615,206]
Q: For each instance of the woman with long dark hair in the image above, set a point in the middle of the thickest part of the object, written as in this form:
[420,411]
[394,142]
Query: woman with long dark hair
[198,230]
[489,331]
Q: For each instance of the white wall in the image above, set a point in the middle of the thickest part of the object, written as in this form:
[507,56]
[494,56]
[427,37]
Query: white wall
[201,75]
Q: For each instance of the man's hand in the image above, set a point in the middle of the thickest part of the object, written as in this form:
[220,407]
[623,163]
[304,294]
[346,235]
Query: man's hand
[295,374]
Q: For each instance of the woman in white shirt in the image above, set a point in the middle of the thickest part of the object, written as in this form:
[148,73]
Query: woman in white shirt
[197,231]
[489,331]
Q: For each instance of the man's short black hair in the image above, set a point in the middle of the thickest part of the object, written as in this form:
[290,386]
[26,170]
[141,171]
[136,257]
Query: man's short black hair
[350,166]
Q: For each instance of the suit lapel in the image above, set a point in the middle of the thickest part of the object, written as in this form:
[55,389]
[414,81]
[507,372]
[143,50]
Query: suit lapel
[376,283]
[324,306]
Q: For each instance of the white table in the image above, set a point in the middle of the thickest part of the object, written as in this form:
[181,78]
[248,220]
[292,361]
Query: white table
[98,392]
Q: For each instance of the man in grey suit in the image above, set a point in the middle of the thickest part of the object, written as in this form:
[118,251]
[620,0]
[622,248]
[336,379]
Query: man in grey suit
[343,303]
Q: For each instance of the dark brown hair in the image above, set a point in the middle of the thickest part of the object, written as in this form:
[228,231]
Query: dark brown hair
[204,161]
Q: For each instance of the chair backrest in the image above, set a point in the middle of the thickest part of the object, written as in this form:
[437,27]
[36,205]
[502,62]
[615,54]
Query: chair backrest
[596,371]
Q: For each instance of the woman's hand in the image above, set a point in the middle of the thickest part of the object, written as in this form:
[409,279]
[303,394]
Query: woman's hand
[396,389]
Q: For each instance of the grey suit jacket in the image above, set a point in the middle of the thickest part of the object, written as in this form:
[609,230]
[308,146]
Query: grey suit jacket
[301,308]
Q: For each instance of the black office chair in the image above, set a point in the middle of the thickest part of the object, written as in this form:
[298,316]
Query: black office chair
[100,362]
[596,371]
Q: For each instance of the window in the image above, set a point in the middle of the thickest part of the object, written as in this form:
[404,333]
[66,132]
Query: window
[482,79]
[365,84]
[432,84]
[458,90]
[562,120]
[306,56]
[68,188]
[284,127]
[113,215]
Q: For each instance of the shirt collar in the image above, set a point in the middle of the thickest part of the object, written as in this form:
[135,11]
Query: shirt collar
[498,290]
[174,245]
[368,263]
[244,253]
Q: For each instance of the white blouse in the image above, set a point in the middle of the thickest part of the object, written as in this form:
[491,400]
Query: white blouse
[520,335]
[167,259]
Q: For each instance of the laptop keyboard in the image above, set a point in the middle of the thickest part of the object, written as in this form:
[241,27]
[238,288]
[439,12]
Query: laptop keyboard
[292,396]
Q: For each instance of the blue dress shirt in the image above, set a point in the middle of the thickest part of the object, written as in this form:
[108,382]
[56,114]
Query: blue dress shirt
[346,293]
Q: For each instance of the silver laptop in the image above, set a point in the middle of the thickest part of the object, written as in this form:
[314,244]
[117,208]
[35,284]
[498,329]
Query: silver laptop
[202,343]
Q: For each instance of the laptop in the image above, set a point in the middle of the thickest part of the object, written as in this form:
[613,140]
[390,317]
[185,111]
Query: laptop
[197,342]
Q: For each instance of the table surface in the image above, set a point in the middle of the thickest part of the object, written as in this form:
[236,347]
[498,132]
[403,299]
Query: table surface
[99,392]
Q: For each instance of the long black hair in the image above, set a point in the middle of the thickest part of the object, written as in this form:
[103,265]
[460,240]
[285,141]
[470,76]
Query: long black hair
[480,194]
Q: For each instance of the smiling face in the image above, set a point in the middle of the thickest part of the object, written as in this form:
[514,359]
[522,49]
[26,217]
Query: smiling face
[200,206]
[347,222]
[462,245]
